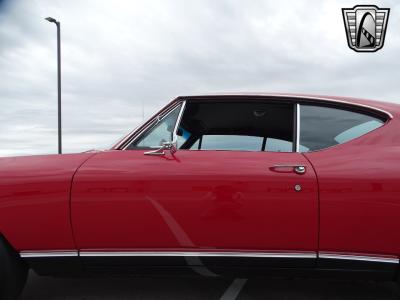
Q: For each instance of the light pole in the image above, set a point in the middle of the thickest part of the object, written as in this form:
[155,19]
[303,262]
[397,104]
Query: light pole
[59,81]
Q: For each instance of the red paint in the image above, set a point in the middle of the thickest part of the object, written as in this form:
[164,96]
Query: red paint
[197,199]
[210,199]
[360,193]
[34,200]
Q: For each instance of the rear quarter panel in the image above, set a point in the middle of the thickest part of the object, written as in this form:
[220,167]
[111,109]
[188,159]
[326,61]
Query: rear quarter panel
[359,186]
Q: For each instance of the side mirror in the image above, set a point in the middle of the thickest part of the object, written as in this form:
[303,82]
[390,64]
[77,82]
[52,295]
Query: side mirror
[171,146]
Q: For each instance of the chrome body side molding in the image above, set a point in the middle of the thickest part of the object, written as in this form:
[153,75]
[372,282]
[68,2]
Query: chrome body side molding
[91,253]
[199,254]
[379,259]
[49,253]
[235,254]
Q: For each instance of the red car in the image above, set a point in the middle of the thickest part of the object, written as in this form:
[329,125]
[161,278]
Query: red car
[227,184]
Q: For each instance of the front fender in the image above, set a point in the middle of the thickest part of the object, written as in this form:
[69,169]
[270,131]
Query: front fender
[35,200]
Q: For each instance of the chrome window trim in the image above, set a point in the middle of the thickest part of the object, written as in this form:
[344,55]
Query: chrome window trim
[344,102]
[54,253]
[197,254]
[392,260]
[156,119]
[178,121]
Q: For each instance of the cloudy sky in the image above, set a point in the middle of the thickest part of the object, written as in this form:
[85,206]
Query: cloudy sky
[121,58]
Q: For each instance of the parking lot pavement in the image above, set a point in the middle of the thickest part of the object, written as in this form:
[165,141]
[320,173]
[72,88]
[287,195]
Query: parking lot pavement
[46,288]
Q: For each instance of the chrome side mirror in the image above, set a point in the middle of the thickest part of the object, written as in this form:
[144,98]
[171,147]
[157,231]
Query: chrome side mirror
[171,146]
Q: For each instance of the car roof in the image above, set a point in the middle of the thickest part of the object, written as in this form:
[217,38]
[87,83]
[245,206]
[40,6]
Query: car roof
[389,109]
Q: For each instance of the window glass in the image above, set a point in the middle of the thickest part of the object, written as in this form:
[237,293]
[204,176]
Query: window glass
[196,145]
[235,125]
[231,142]
[357,130]
[277,145]
[323,127]
[161,132]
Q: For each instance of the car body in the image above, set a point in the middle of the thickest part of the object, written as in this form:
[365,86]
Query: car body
[240,184]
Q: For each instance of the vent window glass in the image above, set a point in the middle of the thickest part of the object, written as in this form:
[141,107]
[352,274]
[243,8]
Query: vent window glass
[161,132]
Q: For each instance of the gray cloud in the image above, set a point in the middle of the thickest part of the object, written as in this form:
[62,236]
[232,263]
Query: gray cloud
[122,55]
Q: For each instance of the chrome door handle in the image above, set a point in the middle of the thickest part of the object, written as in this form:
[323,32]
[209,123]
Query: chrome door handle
[299,169]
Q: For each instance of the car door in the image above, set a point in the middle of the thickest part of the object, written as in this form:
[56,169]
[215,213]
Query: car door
[236,195]
[355,155]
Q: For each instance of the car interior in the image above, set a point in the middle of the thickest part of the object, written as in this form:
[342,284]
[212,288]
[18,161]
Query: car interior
[256,126]
[252,126]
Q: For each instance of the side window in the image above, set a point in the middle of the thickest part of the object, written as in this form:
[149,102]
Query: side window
[323,127]
[231,142]
[239,126]
[161,132]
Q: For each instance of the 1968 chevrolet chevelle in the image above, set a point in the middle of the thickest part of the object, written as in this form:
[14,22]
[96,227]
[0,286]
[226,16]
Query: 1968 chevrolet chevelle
[226,184]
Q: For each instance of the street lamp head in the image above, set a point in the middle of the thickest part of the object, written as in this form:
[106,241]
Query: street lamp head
[50,19]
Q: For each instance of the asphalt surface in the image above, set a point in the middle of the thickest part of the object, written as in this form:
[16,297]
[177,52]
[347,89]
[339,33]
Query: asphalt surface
[45,288]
